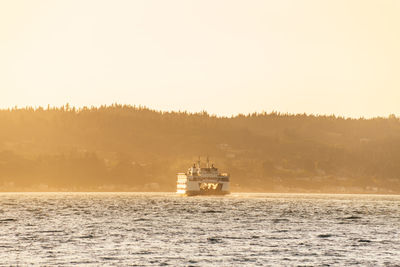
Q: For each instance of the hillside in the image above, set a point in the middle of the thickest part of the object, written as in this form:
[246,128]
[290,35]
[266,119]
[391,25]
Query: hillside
[125,148]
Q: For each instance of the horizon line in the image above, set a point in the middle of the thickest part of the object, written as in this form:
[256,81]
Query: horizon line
[80,108]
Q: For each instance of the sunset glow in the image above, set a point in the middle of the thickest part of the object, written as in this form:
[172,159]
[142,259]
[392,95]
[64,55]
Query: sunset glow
[225,57]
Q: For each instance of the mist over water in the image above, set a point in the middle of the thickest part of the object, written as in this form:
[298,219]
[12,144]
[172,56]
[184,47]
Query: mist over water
[165,229]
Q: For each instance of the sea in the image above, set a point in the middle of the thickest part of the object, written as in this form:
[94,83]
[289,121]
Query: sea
[163,229]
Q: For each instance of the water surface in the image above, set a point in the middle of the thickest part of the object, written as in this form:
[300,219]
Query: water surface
[165,229]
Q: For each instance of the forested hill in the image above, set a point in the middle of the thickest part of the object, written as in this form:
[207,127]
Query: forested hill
[124,148]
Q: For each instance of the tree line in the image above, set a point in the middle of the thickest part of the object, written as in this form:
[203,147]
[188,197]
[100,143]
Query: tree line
[128,148]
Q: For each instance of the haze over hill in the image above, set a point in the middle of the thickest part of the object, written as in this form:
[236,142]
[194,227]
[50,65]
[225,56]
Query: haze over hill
[226,57]
[125,148]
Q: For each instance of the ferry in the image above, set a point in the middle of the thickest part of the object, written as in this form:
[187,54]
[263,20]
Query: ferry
[202,181]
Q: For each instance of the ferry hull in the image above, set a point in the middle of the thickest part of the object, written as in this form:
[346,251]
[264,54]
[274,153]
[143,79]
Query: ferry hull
[206,193]
[199,189]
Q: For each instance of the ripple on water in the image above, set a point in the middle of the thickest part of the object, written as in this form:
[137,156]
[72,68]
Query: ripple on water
[162,229]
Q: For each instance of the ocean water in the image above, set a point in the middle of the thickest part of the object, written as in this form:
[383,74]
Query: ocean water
[146,229]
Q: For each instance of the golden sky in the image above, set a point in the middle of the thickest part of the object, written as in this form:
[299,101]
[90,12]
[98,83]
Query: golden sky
[324,57]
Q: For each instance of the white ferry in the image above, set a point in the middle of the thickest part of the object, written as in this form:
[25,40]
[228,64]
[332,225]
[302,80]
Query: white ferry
[202,181]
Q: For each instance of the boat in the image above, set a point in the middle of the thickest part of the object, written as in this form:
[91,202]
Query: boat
[202,181]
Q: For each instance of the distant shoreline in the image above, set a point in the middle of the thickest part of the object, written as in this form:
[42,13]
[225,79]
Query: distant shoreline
[127,148]
[174,193]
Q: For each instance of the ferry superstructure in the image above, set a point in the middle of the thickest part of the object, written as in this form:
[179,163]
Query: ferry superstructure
[202,181]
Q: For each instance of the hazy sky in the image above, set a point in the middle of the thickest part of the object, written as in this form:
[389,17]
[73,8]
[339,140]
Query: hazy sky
[226,57]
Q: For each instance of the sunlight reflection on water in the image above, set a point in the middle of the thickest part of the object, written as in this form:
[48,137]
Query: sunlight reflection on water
[166,229]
